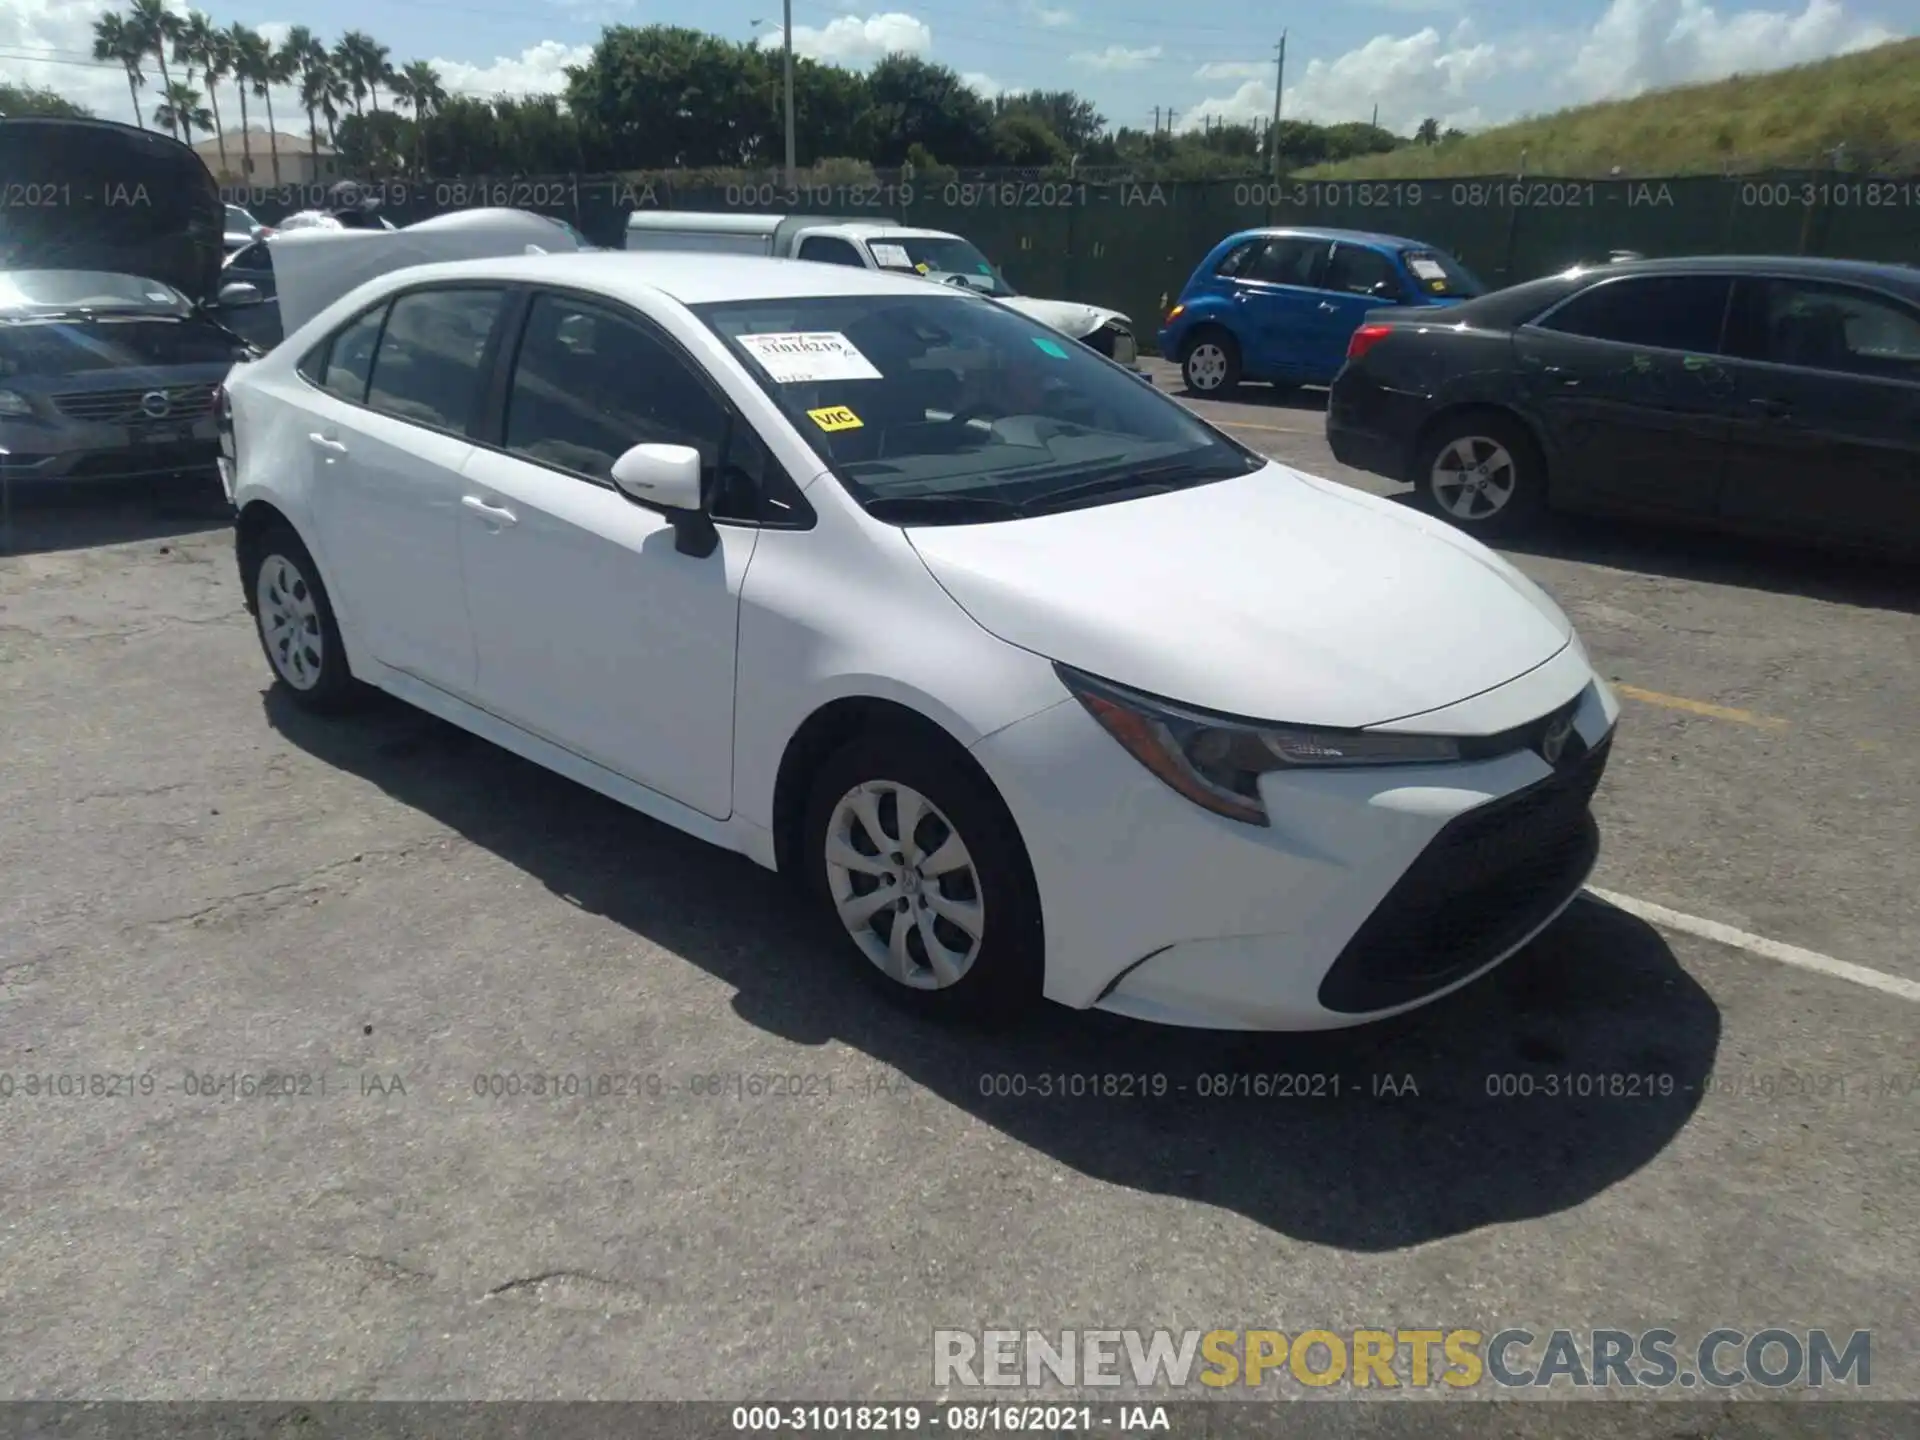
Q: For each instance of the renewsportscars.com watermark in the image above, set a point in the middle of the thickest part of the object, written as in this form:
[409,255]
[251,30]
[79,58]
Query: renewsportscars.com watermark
[1456,1359]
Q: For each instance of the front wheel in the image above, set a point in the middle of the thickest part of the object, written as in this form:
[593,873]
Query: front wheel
[1484,474]
[913,858]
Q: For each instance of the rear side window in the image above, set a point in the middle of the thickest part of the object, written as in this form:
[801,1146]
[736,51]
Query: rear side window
[428,366]
[1659,312]
[1288,260]
[1357,270]
[1820,326]
[341,366]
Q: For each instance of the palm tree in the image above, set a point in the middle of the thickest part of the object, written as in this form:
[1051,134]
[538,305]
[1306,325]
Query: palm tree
[1429,132]
[157,28]
[305,58]
[248,50]
[116,39]
[362,62]
[419,85]
[180,109]
[274,68]
[204,44]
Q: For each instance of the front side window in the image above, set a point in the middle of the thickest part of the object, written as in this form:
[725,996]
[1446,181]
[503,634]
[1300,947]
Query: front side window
[1439,274]
[1659,312]
[1838,328]
[345,363]
[1357,270]
[428,366]
[831,250]
[940,408]
[589,384]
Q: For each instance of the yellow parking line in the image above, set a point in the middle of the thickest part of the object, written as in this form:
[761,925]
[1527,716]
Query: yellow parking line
[1700,707]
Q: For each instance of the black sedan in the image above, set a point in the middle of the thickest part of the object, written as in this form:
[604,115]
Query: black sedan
[1776,396]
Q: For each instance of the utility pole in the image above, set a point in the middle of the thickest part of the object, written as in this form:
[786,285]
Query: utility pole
[1376,114]
[1169,122]
[786,38]
[1279,87]
[1156,122]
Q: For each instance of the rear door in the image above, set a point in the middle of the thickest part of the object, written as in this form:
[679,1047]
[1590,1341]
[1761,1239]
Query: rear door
[1825,441]
[1276,300]
[1358,279]
[1629,379]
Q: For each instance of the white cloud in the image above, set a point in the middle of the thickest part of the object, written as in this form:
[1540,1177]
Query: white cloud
[538,70]
[1050,16]
[1117,57]
[983,85]
[1457,79]
[853,41]
[1233,70]
[1644,44]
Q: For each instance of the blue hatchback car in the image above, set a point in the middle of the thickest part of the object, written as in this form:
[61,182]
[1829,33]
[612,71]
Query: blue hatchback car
[1280,305]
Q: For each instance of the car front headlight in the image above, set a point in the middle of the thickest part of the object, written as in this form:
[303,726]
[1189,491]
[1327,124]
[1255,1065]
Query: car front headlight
[1217,762]
[12,402]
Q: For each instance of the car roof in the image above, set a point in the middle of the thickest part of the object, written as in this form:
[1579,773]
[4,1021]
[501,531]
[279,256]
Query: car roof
[690,277]
[1813,267]
[1321,232]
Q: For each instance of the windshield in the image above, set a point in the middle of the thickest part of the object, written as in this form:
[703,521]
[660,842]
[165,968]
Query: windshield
[1438,273]
[32,292]
[238,219]
[944,409]
[938,256]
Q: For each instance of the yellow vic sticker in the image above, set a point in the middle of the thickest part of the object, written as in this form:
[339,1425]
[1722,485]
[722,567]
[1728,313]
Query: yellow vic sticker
[835,417]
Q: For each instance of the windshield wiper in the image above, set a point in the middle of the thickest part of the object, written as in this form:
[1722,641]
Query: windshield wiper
[1152,479]
[942,505]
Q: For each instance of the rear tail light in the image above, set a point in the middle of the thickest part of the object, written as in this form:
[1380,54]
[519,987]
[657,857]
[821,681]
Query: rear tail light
[223,419]
[1365,338]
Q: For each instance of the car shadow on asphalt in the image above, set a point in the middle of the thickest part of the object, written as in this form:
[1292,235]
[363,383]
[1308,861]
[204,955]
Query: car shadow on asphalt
[44,519]
[1703,557]
[1525,1094]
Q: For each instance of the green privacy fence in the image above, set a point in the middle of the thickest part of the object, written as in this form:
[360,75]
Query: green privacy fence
[1126,245]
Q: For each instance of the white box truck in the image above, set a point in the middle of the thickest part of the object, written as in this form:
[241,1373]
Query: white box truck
[938,255]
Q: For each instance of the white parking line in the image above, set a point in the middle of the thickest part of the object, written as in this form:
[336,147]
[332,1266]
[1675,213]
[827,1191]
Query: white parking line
[1760,945]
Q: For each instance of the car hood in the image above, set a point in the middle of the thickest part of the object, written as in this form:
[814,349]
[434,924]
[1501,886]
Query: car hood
[1276,596]
[93,195]
[312,268]
[1067,316]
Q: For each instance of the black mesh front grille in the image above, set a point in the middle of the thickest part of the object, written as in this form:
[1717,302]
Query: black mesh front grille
[1483,883]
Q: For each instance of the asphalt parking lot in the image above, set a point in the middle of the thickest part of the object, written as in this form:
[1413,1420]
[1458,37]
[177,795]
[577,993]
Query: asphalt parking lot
[201,882]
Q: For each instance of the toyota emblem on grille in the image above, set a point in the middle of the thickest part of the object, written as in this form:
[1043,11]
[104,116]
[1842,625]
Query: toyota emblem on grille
[1553,739]
[155,404]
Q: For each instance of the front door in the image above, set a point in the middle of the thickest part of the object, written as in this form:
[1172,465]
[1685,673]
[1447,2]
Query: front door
[1629,378]
[1358,279]
[595,631]
[1825,442]
[389,442]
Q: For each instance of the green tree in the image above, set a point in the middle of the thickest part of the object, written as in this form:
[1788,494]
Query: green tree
[912,101]
[665,97]
[204,44]
[305,58]
[1023,138]
[247,55]
[31,100]
[417,86]
[157,28]
[117,40]
[1429,132]
[1075,120]
[180,110]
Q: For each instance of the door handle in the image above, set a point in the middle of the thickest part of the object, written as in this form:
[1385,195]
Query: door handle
[1560,375]
[1328,306]
[1771,408]
[327,443]
[498,514]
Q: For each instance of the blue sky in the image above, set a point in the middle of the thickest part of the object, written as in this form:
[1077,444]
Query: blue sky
[1466,62]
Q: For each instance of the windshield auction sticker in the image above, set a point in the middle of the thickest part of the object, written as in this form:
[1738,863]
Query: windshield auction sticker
[809,357]
[889,256]
[836,417]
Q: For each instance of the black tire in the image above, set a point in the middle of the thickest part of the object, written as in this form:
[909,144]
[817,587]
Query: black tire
[1198,352]
[277,557]
[1514,496]
[1003,981]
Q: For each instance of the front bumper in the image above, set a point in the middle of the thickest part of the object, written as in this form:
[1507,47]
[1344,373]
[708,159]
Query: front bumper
[37,454]
[1372,892]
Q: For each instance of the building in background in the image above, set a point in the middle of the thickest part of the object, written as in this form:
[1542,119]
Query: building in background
[249,159]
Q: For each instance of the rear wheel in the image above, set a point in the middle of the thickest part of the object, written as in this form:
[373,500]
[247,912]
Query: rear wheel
[911,855]
[1483,473]
[1211,365]
[295,623]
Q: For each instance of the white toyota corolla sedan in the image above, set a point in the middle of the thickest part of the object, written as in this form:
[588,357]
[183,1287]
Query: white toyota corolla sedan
[1042,686]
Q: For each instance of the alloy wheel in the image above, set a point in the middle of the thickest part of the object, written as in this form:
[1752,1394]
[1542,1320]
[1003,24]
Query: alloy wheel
[1474,478]
[904,885]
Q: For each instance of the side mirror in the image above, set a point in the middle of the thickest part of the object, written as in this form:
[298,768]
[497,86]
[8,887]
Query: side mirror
[667,478]
[239,293]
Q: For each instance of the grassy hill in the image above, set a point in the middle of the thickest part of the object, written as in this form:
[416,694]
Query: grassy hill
[1870,102]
